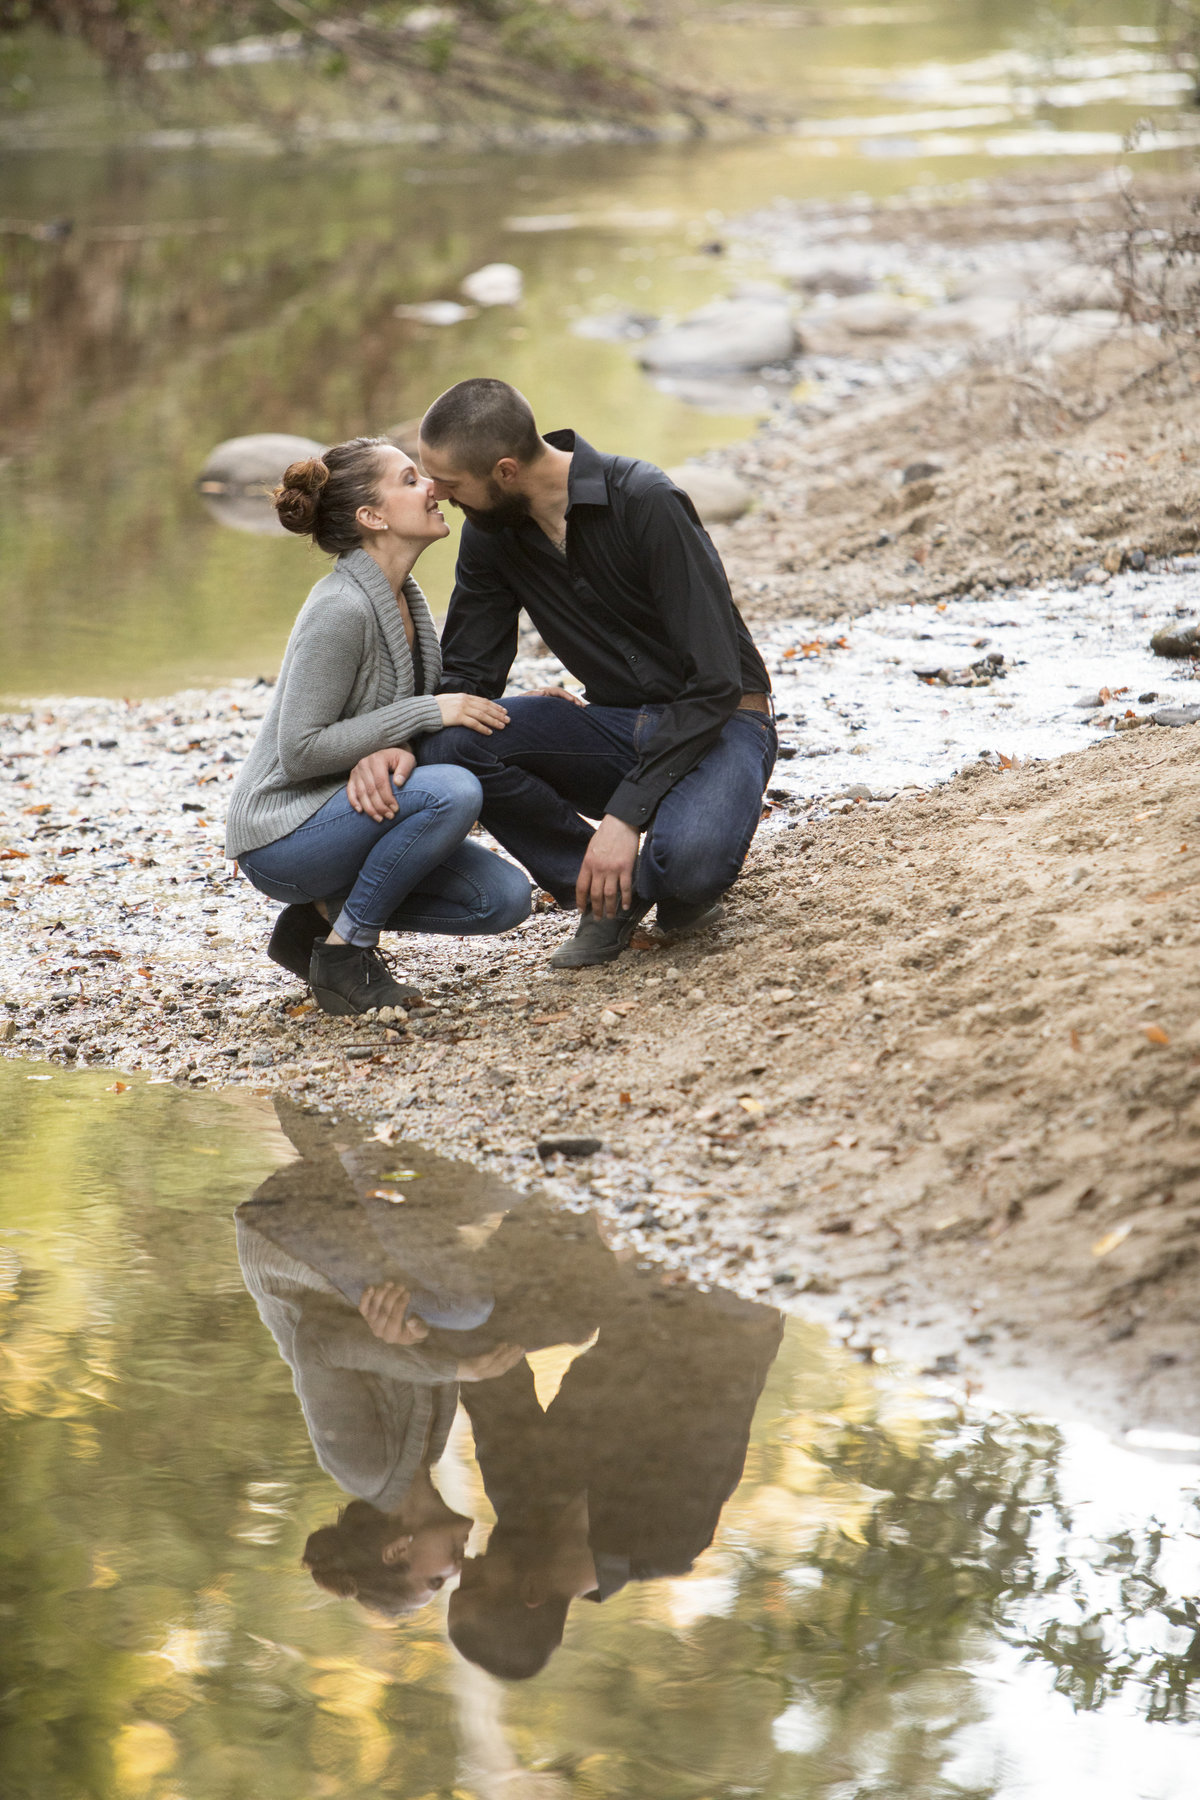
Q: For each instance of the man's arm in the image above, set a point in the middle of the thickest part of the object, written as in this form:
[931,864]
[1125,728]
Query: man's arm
[691,592]
[479,640]
[686,579]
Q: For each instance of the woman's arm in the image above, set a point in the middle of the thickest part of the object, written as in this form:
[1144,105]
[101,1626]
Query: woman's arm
[328,651]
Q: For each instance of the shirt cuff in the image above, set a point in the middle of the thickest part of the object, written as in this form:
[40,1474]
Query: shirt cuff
[635,804]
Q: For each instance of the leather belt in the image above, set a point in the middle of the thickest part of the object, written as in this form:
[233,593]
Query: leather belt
[760,703]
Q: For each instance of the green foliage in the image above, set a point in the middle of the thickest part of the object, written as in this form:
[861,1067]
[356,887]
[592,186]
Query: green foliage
[576,53]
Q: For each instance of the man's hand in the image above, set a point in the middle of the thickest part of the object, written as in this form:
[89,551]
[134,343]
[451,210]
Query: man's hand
[484,716]
[606,876]
[384,1308]
[556,693]
[370,787]
[491,1363]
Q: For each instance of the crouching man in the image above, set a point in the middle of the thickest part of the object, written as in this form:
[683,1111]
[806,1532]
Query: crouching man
[673,743]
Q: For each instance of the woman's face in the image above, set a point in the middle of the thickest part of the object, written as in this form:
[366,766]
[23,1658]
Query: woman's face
[405,502]
[432,1556]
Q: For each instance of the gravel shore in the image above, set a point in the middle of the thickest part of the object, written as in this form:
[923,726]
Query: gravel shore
[938,1064]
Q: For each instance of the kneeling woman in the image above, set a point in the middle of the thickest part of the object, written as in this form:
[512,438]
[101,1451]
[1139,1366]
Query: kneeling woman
[329,812]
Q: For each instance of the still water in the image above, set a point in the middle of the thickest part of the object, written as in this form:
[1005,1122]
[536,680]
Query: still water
[208,288]
[740,1560]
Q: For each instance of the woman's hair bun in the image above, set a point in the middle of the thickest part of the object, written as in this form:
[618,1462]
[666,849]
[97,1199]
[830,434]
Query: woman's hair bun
[298,496]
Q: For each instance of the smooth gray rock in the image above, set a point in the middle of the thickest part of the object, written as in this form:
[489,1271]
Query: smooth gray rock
[727,334]
[1176,715]
[717,494]
[239,475]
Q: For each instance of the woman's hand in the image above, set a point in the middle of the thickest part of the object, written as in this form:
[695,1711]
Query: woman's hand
[373,779]
[491,1363]
[384,1308]
[484,716]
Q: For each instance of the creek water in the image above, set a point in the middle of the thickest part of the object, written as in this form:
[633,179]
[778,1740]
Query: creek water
[162,289]
[822,1579]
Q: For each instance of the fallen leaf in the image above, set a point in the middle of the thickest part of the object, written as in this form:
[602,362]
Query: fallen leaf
[403,1175]
[118,1087]
[55,881]
[1155,1034]
[623,1099]
[1111,1239]
[14,855]
[1073,1035]
[550,1018]
[37,810]
[294,1012]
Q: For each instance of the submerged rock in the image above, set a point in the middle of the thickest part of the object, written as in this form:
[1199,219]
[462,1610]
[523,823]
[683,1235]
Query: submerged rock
[239,476]
[748,333]
[496,284]
[717,494]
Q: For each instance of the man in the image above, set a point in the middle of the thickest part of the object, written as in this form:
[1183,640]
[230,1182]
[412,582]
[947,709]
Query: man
[622,1479]
[676,742]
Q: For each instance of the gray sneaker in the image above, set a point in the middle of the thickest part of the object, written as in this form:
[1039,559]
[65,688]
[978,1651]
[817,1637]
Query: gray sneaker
[677,916]
[599,940]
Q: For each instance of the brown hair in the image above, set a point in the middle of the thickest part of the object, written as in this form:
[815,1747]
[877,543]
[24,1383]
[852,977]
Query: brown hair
[346,1559]
[319,497]
[481,420]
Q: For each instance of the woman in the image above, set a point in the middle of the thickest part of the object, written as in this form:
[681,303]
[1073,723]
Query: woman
[329,812]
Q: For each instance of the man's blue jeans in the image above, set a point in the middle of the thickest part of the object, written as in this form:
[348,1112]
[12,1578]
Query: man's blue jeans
[554,761]
[413,872]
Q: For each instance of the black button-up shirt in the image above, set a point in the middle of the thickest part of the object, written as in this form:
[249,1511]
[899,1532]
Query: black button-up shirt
[639,610]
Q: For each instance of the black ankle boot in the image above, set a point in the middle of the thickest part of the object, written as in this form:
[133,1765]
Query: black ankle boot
[345,978]
[297,929]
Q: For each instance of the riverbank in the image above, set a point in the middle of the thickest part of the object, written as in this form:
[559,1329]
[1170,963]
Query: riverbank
[941,1062]
[937,1072]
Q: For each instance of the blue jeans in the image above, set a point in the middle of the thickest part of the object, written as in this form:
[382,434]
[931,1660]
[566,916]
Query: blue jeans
[554,761]
[412,872]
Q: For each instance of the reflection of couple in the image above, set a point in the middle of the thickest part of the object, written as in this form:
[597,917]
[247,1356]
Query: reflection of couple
[382,1311]
[381,747]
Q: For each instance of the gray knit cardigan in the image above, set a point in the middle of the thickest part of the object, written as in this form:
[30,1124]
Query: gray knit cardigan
[344,690]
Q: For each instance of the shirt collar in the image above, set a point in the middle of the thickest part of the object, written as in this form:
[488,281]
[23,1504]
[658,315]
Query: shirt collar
[587,484]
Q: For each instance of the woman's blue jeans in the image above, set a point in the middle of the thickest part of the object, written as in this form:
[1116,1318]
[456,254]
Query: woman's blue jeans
[413,872]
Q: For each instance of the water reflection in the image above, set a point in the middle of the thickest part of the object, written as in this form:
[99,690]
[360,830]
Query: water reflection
[388,1295]
[896,1597]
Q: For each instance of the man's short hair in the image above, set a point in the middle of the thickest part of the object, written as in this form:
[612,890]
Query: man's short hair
[479,421]
[503,1636]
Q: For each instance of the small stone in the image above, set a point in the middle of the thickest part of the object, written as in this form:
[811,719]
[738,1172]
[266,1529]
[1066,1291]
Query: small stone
[1176,715]
[503,1078]
[858,792]
[8,1031]
[1137,559]
[1113,559]
[261,1059]
[569,1146]
[696,997]
[1177,640]
[609,1018]
[359,1052]
[919,471]
[779,995]
[1096,577]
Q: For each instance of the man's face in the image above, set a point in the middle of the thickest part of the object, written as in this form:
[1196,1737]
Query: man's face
[489,503]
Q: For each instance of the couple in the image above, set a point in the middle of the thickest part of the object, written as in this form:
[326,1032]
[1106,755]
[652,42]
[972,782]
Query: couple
[381,747]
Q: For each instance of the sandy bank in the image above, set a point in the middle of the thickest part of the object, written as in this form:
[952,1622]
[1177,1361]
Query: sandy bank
[942,1060]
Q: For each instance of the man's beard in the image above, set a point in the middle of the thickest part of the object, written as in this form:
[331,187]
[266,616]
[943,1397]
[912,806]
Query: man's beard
[506,510]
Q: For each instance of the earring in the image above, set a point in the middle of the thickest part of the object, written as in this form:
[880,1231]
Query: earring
[383,528]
